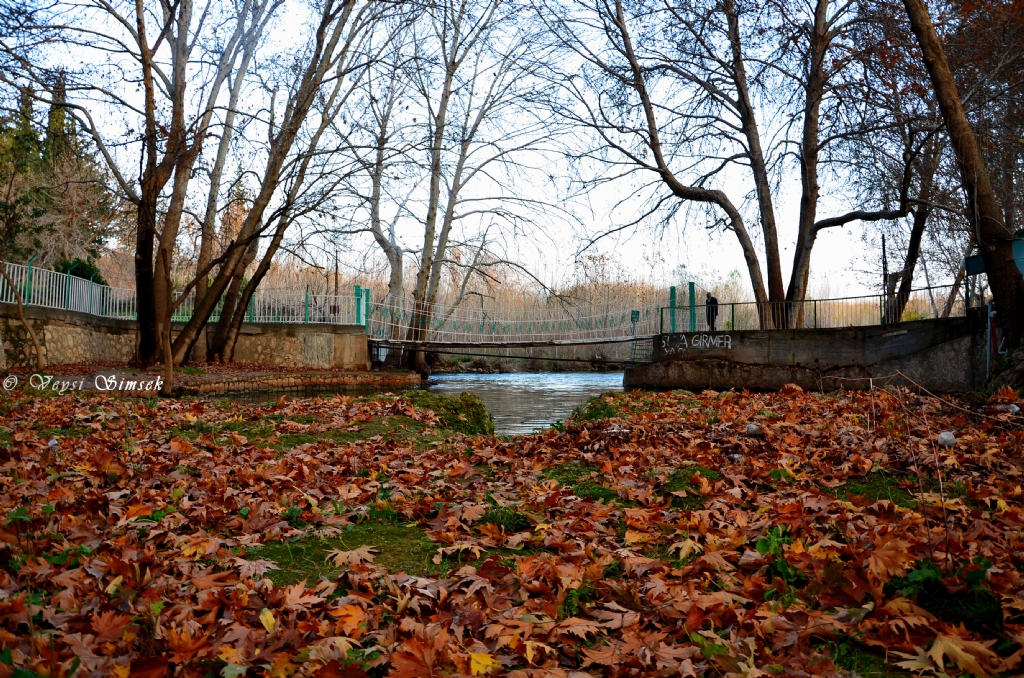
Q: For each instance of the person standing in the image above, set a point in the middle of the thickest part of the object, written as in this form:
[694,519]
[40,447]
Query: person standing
[711,306]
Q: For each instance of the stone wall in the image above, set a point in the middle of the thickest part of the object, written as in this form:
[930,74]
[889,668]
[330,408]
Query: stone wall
[941,356]
[71,337]
[65,337]
[296,345]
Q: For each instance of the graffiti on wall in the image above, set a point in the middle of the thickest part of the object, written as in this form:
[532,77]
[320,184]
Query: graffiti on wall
[674,344]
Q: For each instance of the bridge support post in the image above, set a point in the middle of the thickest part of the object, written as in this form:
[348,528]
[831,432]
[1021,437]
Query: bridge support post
[366,314]
[693,305]
[359,305]
[672,309]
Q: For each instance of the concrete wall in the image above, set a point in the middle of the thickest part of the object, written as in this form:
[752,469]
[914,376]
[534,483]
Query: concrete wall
[71,337]
[298,345]
[940,355]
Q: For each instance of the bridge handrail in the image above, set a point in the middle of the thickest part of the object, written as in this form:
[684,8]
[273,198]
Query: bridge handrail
[393,318]
[854,311]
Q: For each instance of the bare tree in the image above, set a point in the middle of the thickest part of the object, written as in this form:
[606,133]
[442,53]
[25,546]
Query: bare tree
[179,55]
[473,66]
[322,75]
[383,141]
[994,239]
[675,92]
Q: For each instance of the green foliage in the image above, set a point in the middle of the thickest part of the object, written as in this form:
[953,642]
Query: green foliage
[577,476]
[463,414]
[507,518]
[53,186]
[69,556]
[81,268]
[681,480]
[576,598]
[383,512]
[910,315]
[596,408]
[293,514]
[972,605]
[781,475]
[771,545]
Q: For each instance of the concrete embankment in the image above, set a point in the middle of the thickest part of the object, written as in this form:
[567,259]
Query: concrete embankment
[939,355]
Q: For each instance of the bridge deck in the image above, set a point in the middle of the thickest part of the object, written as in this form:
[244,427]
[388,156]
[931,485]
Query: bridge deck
[404,343]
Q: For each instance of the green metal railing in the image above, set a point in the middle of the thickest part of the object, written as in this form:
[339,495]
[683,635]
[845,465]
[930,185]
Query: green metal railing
[811,313]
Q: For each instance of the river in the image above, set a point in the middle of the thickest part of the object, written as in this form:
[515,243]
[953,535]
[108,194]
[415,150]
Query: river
[525,401]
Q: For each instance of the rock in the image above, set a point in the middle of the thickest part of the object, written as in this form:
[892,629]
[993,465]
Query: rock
[947,439]
[52,443]
[1011,408]
[735,457]
[753,430]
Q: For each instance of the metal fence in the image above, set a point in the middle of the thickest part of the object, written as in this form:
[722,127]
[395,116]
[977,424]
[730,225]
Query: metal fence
[397,319]
[929,302]
[42,287]
[404,319]
[287,306]
[50,289]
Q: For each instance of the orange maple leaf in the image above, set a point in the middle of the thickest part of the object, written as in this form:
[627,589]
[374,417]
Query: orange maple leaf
[889,558]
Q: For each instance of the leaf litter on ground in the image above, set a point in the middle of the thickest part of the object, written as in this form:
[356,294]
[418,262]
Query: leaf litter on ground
[670,539]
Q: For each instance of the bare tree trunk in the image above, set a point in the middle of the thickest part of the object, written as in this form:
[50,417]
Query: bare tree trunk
[813,91]
[323,57]
[168,388]
[762,183]
[227,350]
[929,165]
[679,189]
[421,311]
[948,307]
[994,238]
[36,346]
[232,303]
[209,227]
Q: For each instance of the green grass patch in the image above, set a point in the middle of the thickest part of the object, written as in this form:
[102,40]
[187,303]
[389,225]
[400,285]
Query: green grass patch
[973,606]
[577,476]
[462,414]
[388,428]
[400,549]
[260,431]
[900,490]
[507,518]
[189,370]
[253,429]
[597,408]
[862,662]
[575,599]
[781,475]
[681,480]
[876,486]
[63,431]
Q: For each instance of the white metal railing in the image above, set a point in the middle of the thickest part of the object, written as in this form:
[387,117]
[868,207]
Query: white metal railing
[50,289]
[401,319]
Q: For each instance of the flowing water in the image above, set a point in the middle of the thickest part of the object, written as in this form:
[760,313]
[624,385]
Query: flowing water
[523,402]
